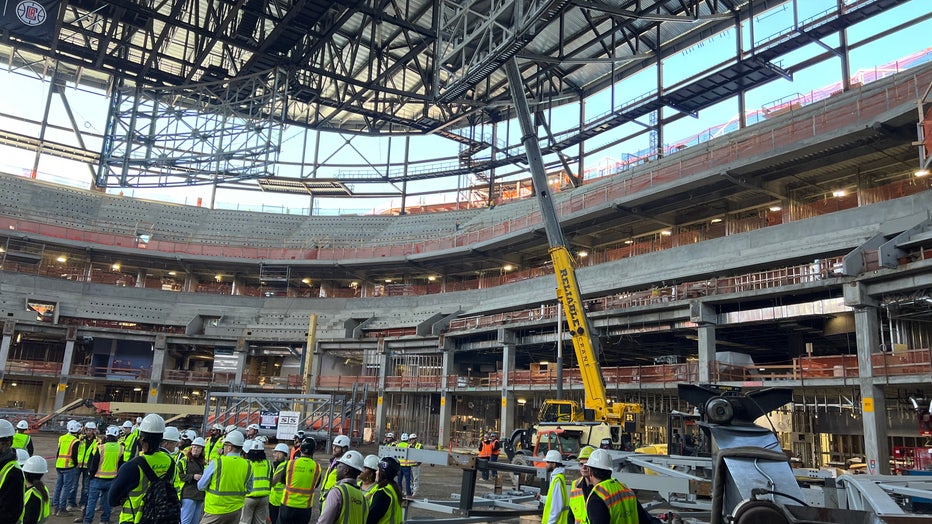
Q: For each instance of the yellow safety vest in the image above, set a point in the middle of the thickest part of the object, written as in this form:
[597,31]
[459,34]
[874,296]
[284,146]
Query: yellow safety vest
[301,478]
[85,451]
[405,462]
[181,466]
[578,502]
[21,441]
[109,461]
[10,466]
[621,501]
[558,482]
[261,478]
[278,490]
[160,462]
[394,515]
[128,444]
[354,504]
[330,480]
[44,505]
[214,449]
[226,492]
[66,444]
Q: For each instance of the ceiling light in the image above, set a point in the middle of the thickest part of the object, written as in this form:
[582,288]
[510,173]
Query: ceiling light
[388,281]
[629,242]
[431,278]
[218,278]
[508,267]
[306,281]
[839,193]
[776,208]
[62,259]
[137,389]
[583,253]
[715,220]
[115,267]
[666,232]
[172,273]
[922,172]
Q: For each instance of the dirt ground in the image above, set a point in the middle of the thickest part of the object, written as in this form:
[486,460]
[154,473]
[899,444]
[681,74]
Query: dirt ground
[437,482]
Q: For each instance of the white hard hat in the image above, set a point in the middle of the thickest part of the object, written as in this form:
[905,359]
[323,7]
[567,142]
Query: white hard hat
[253,426]
[21,456]
[199,441]
[36,464]
[90,425]
[371,462]
[553,456]
[247,444]
[217,426]
[22,424]
[171,434]
[235,438]
[138,420]
[261,438]
[152,423]
[127,424]
[231,427]
[353,459]
[283,448]
[189,434]
[412,435]
[257,446]
[404,437]
[6,429]
[342,441]
[113,431]
[600,459]
[390,435]
[74,426]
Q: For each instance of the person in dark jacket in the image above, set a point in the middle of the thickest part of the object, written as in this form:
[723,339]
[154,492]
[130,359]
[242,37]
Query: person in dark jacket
[384,498]
[12,482]
[38,504]
[191,465]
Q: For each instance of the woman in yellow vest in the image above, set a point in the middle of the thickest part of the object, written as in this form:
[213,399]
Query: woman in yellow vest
[385,499]
[129,487]
[191,466]
[580,488]
[277,491]
[610,501]
[102,468]
[256,506]
[344,502]
[300,477]
[226,482]
[37,503]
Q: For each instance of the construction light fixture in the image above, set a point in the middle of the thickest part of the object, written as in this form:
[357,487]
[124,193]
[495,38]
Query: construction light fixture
[776,208]
[922,172]
[666,232]
[218,278]
[62,259]
[583,253]
[116,266]
[839,193]
[629,242]
[306,281]
[388,281]
[522,401]
[137,389]
[508,267]
[715,220]
[431,278]
[172,273]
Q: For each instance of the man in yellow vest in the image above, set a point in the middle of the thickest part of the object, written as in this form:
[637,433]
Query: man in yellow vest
[556,503]
[214,442]
[404,482]
[102,468]
[299,477]
[128,488]
[413,443]
[12,481]
[277,492]
[345,503]
[610,501]
[580,488]
[66,465]
[129,442]
[226,481]
[22,440]
[341,444]
[87,447]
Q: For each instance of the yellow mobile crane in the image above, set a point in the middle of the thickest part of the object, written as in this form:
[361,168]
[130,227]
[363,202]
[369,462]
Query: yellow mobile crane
[598,419]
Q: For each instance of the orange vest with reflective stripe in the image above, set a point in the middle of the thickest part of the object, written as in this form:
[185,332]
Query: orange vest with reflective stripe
[302,475]
[485,450]
[66,444]
[109,460]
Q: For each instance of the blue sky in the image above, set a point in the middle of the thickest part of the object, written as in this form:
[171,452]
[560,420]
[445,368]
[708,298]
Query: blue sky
[25,98]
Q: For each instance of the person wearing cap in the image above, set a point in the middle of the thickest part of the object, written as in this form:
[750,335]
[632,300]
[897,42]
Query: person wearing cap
[12,482]
[87,447]
[130,441]
[102,469]
[256,505]
[214,442]
[485,452]
[37,503]
[21,439]
[191,465]
[66,465]
[610,501]
[299,478]
[279,461]
[413,443]
[385,499]
[129,486]
[344,501]
[252,431]
[556,503]
[341,444]
[367,478]
[580,488]
[226,481]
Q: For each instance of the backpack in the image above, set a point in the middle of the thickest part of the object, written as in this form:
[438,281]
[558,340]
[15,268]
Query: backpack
[160,504]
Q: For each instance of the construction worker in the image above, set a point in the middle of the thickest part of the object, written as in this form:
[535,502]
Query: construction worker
[296,444]
[22,440]
[256,505]
[341,444]
[226,493]
[580,488]
[413,443]
[299,478]
[367,478]
[214,442]
[610,501]
[128,488]
[252,431]
[87,447]
[485,452]
[405,480]
[389,439]
[66,465]
[37,505]
[102,468]
[170,440]
[191,466]
[12,482]
[496,450]
[345,503]
[279,461]
[385,499]
[187,437]
[129,441]
[556,503]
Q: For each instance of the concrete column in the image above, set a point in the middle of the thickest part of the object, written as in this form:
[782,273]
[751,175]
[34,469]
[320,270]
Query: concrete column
[448,376]
[380,407]
[705,316]
[158,367]
[507,419]
[9,327]
[141,278]
[241,351]
[190,283]
[65,368]
[873,402]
